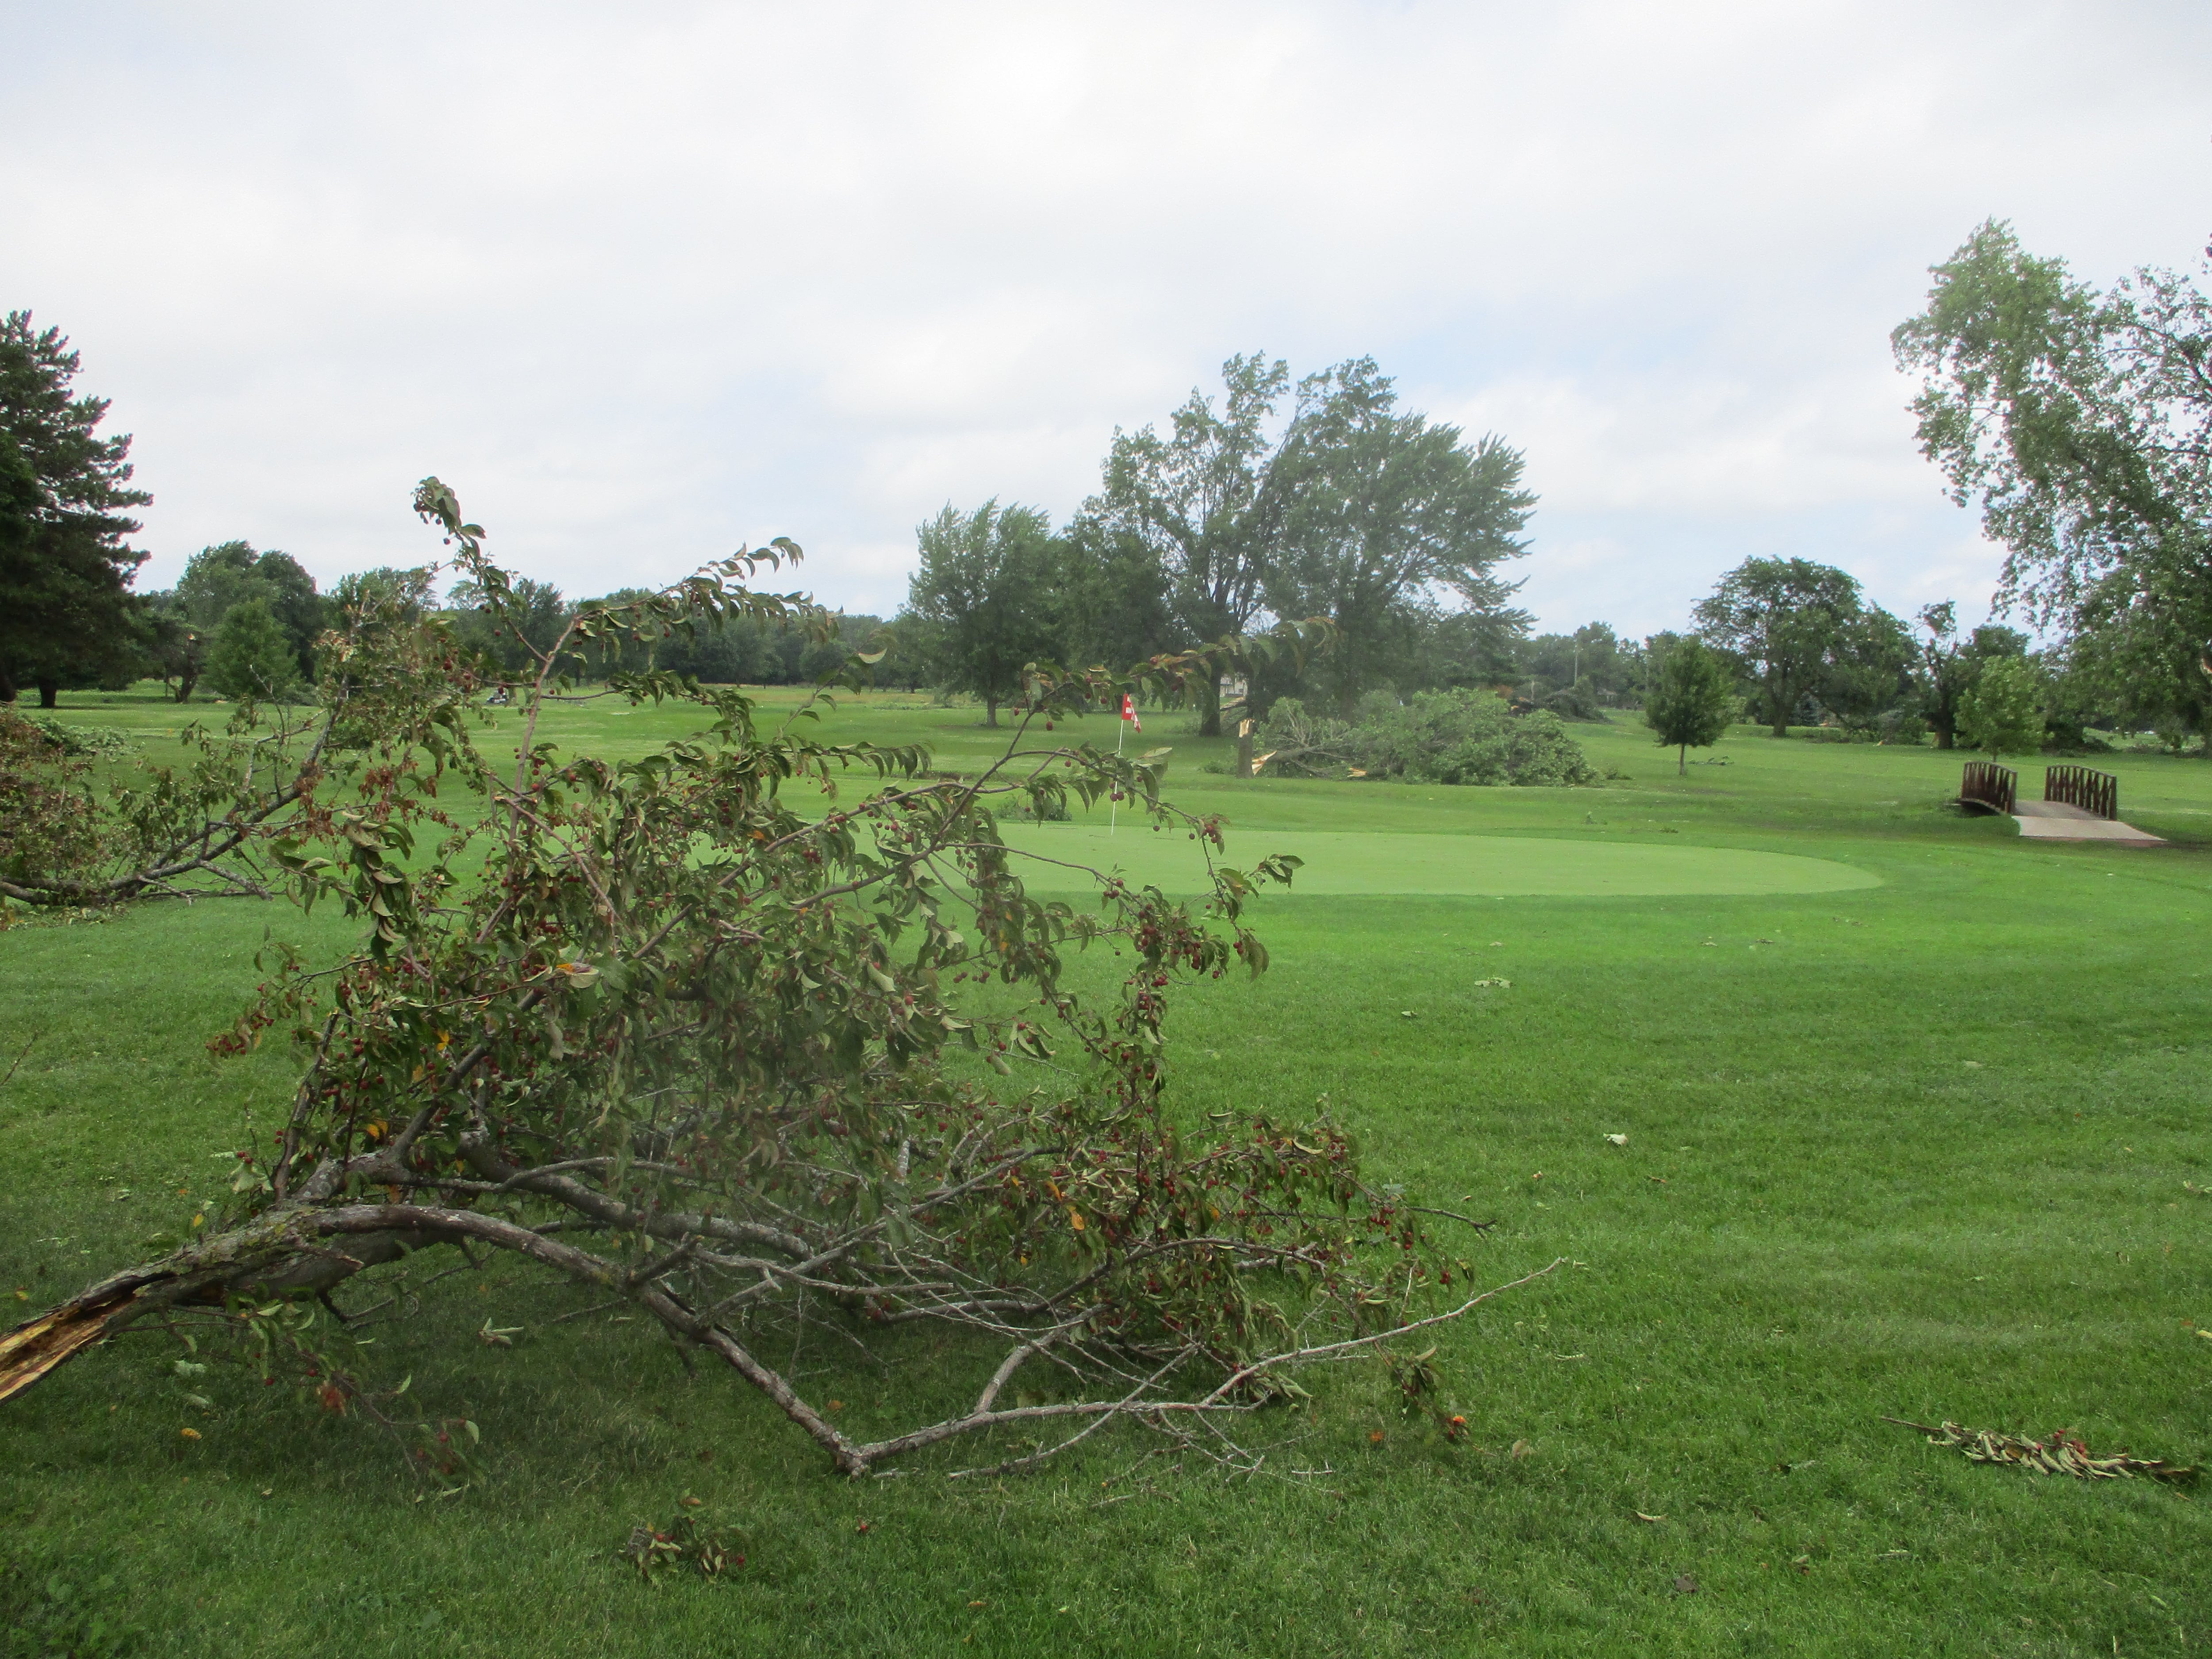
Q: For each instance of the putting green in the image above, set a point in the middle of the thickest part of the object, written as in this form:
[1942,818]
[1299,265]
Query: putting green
[1501,866]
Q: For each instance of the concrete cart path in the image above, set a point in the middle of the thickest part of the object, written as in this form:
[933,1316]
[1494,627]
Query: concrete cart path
[2053,820]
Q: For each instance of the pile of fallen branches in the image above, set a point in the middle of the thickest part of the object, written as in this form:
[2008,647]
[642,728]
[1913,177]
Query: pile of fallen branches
[673,1039]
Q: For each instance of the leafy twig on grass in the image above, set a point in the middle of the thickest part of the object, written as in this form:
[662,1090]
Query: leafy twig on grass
[2060,1453]
[686,1541]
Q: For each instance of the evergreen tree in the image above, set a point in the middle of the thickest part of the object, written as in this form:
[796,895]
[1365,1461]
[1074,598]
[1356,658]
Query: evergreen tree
[67,615]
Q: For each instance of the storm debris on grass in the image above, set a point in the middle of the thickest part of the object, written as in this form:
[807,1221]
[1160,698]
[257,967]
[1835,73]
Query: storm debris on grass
[689,1540]
[2058,1454]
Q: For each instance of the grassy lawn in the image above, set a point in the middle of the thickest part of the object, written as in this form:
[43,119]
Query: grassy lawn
[1914,1112]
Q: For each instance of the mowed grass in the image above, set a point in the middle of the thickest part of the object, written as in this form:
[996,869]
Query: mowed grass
[1915,1146]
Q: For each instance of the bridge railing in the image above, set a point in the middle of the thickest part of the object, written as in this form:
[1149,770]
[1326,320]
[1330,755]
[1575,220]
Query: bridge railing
[1989,786]
[2078,786]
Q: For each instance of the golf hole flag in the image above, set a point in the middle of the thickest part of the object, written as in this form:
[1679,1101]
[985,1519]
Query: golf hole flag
[1129,713]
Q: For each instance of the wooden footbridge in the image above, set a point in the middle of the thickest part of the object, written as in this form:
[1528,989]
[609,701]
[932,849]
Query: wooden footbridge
[2077,804]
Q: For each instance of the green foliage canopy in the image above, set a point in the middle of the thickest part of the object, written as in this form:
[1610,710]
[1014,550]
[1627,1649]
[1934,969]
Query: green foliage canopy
[1352,511]
[1467,737]
[1199,502]
[2081,423]
[984,589]
[2001,713]
[1379,509]
[1457,736]
[217,580]
[1787,623]
[252,657]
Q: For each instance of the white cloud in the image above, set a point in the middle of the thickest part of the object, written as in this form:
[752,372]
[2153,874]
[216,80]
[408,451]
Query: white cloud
[645,283]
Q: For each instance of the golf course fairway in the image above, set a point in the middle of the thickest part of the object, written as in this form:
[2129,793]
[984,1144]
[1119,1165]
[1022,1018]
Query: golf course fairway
[1337,861]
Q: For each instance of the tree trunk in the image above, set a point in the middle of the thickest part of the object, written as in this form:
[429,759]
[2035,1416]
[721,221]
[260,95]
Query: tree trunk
[1209,707]
[1682,762]
[185,685]
[49,693]
[990,711]
[1777,702]
[7,686]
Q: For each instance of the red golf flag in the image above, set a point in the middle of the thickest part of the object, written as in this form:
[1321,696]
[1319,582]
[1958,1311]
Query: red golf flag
[1129,713]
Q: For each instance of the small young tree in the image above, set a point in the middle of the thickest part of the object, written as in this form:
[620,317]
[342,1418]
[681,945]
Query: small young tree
[1688,703]
[252,660]
[2001,713]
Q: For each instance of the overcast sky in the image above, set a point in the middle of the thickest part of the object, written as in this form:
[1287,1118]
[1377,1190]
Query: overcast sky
[644,282]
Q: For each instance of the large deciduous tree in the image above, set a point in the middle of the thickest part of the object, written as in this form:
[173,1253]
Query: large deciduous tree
[217,580]
[1354,511]
[2081,423]
[67,614]
[1945,664]
[1110,597]
[1379,511]
[984,591]
[652,1029]
[1787,623]
[1869,671]
[1941,671]
[1199,502]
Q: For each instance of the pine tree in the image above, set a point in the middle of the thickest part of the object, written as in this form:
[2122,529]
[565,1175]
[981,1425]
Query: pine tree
[66,613]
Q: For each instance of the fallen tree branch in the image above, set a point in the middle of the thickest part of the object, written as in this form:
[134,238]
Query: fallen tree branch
[2060,1452]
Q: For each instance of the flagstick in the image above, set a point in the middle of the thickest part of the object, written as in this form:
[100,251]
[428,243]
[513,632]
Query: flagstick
[1113,806]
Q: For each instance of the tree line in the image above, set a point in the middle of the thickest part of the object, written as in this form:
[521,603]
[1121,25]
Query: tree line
[2080,421]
